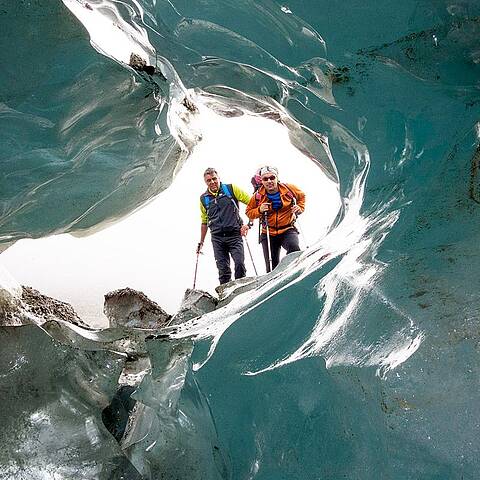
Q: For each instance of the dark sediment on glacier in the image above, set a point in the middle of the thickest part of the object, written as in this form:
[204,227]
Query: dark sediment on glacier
[34,307]
[48,308]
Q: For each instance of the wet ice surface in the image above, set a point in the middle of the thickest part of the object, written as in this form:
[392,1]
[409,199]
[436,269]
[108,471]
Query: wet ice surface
[357,357]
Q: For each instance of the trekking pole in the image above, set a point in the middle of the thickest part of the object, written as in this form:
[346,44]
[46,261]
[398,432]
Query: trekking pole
[196,268]
[251,256]
[297,226]
[268,243]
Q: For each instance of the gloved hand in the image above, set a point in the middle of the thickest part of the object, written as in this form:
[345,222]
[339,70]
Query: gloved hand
[199,248]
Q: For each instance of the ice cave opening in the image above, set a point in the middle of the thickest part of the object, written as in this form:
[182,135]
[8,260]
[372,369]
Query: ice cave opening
[153,249]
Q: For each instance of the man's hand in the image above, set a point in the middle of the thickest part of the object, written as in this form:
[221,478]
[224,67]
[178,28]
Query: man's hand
[244,230]
[264,207]
[199,248]
[296,210]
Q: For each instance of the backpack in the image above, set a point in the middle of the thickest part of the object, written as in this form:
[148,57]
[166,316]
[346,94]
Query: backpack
[227,190]
[256,182]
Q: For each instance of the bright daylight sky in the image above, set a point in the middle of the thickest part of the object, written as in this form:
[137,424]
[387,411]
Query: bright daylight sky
[153,250]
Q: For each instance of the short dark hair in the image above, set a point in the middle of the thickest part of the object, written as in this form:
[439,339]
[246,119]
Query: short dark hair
[210,171]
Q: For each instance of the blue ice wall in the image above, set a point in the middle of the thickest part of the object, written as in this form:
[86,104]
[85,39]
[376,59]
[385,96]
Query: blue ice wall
[71,159]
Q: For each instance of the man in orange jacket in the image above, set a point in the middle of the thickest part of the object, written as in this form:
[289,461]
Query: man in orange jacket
[278,205]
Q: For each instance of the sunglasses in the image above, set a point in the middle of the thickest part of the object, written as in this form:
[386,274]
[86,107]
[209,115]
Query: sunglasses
[266,179]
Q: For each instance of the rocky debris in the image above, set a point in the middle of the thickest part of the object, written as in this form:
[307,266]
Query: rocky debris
[29,306]
[189,105]
[10,309]
[139,64]
[127,307]
[339,75]
[48,308]
[194,304]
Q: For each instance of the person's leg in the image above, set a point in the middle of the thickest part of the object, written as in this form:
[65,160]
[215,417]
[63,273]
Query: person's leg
[290,241]
[275,244]
[222,258]
[266,255]
[238,254]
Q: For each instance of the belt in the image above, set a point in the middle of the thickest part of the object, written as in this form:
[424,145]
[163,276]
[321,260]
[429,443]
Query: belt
[226,234]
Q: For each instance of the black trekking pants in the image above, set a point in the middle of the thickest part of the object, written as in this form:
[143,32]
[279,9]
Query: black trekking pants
[288,240]
[223,248]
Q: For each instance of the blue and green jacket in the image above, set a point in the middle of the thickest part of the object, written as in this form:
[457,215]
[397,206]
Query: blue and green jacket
[219,210]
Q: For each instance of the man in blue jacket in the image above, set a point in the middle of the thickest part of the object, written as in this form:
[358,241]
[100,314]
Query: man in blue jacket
[219,213]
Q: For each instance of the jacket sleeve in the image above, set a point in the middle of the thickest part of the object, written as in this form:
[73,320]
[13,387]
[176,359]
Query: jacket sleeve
[203,213]
[240,194]
[299,195]
[252,211]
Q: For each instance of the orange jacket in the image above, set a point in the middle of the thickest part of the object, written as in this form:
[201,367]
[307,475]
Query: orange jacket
[278,220]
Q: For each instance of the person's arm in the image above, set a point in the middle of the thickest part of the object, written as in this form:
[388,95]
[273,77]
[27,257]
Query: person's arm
[252,211]
[203,234]
[243,197]
[240,195]
[203,227]
[300,199]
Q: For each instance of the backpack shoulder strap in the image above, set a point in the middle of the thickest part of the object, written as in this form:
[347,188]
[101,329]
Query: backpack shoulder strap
[227,190]
[290,194]
[205,199]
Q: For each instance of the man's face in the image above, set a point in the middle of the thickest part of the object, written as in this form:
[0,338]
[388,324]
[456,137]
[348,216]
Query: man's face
[212,181]
[270,182]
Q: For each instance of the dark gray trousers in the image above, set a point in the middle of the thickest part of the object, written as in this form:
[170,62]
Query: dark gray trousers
[288,240]
[223,248]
